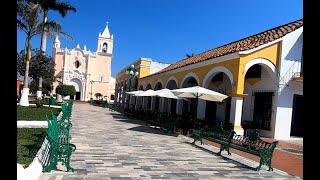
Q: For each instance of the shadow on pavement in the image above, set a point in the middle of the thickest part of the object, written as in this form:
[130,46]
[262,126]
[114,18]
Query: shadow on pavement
[127,120]
[239,164]
[148,129]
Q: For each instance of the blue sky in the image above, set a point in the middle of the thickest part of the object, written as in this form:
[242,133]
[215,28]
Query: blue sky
[166,30]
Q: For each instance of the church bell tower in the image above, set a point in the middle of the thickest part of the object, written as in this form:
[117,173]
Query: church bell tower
[105,42]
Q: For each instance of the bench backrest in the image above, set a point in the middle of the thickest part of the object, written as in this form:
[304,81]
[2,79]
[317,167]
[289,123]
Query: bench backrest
[253,144]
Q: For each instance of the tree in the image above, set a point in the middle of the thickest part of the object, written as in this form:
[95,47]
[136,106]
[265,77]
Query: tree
[40,66]
[28,22]
[66,90]
[63,8]
[28,15]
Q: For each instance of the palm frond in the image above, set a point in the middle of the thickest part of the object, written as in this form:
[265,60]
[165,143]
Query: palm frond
[52,35]
[21,26]
[52,26]
[63,8]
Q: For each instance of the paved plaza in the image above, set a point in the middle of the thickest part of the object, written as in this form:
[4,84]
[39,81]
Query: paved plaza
[111,146]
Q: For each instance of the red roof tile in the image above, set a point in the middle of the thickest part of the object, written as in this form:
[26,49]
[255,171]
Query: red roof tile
[247,43]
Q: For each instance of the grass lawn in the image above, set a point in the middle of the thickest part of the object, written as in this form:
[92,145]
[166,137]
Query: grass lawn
[29,141]
[34,113]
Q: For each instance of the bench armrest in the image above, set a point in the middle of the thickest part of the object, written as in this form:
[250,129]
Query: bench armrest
[73,146]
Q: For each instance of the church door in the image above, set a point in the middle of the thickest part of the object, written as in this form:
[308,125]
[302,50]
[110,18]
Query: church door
[78,95]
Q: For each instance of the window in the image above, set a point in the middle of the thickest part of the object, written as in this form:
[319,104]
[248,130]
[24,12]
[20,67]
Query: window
[77,64]
[112,97]
[104,47]
[101,78]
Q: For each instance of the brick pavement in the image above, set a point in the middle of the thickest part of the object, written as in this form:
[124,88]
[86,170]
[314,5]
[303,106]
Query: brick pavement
[110,146]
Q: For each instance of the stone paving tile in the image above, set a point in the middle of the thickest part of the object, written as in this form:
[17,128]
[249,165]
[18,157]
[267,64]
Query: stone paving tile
[110,146]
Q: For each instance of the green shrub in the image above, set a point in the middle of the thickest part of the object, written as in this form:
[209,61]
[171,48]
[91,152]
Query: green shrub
[29,141]
[66,90]
[35,114]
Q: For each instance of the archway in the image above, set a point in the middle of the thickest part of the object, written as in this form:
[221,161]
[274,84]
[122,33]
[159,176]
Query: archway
[148,87]
[78,87]
[220,80]
[171,104]
[147,99]
[189,106]
[261,85]
[139,99]
[190,80]
[156,100]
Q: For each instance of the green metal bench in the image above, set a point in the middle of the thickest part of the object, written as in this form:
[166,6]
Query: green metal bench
[251,144]
[60,148]
[162,120]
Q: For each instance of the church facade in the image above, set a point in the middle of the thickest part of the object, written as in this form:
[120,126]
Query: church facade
[89,72]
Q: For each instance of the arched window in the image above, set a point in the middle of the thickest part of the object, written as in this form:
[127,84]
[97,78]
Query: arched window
[104,47]
[77,64]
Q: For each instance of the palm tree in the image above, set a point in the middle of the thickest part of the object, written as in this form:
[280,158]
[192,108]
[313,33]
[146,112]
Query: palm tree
[28,21]
[46,5]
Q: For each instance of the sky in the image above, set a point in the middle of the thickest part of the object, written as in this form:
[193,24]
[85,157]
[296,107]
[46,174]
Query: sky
[167,30]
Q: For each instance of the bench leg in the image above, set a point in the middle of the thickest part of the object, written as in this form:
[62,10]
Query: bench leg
[194,141]
[228,151]
[224,147]
[221,149]
[69,168]
[51,166]
[265,159]
[270,168]
[259,167]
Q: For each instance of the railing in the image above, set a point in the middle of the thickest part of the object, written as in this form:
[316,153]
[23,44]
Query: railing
[292,72]
[298,74]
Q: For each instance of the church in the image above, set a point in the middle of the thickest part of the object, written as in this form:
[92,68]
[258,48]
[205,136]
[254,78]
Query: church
[89,72]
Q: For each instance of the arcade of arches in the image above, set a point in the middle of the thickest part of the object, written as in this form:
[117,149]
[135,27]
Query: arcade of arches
[261,94]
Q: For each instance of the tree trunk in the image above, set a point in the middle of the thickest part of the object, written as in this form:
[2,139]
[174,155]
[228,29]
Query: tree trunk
[43,45]
[24,100]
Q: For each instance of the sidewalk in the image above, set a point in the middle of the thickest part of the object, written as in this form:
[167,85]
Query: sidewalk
[288,156]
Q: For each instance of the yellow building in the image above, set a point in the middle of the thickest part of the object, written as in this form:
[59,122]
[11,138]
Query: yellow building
[261,74]
[144,67]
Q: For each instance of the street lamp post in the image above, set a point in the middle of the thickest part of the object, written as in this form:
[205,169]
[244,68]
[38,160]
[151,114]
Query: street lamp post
[132,72]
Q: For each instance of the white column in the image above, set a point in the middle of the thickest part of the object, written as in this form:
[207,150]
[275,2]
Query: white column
[160,105]
[152,103]
[168,105]
[136,103]
[179,105]
[144,102]
[235,114]
[201,110]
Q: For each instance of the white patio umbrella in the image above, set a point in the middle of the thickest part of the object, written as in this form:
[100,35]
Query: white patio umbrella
[199,92]
[166,93]
[134,92]
[149,92]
